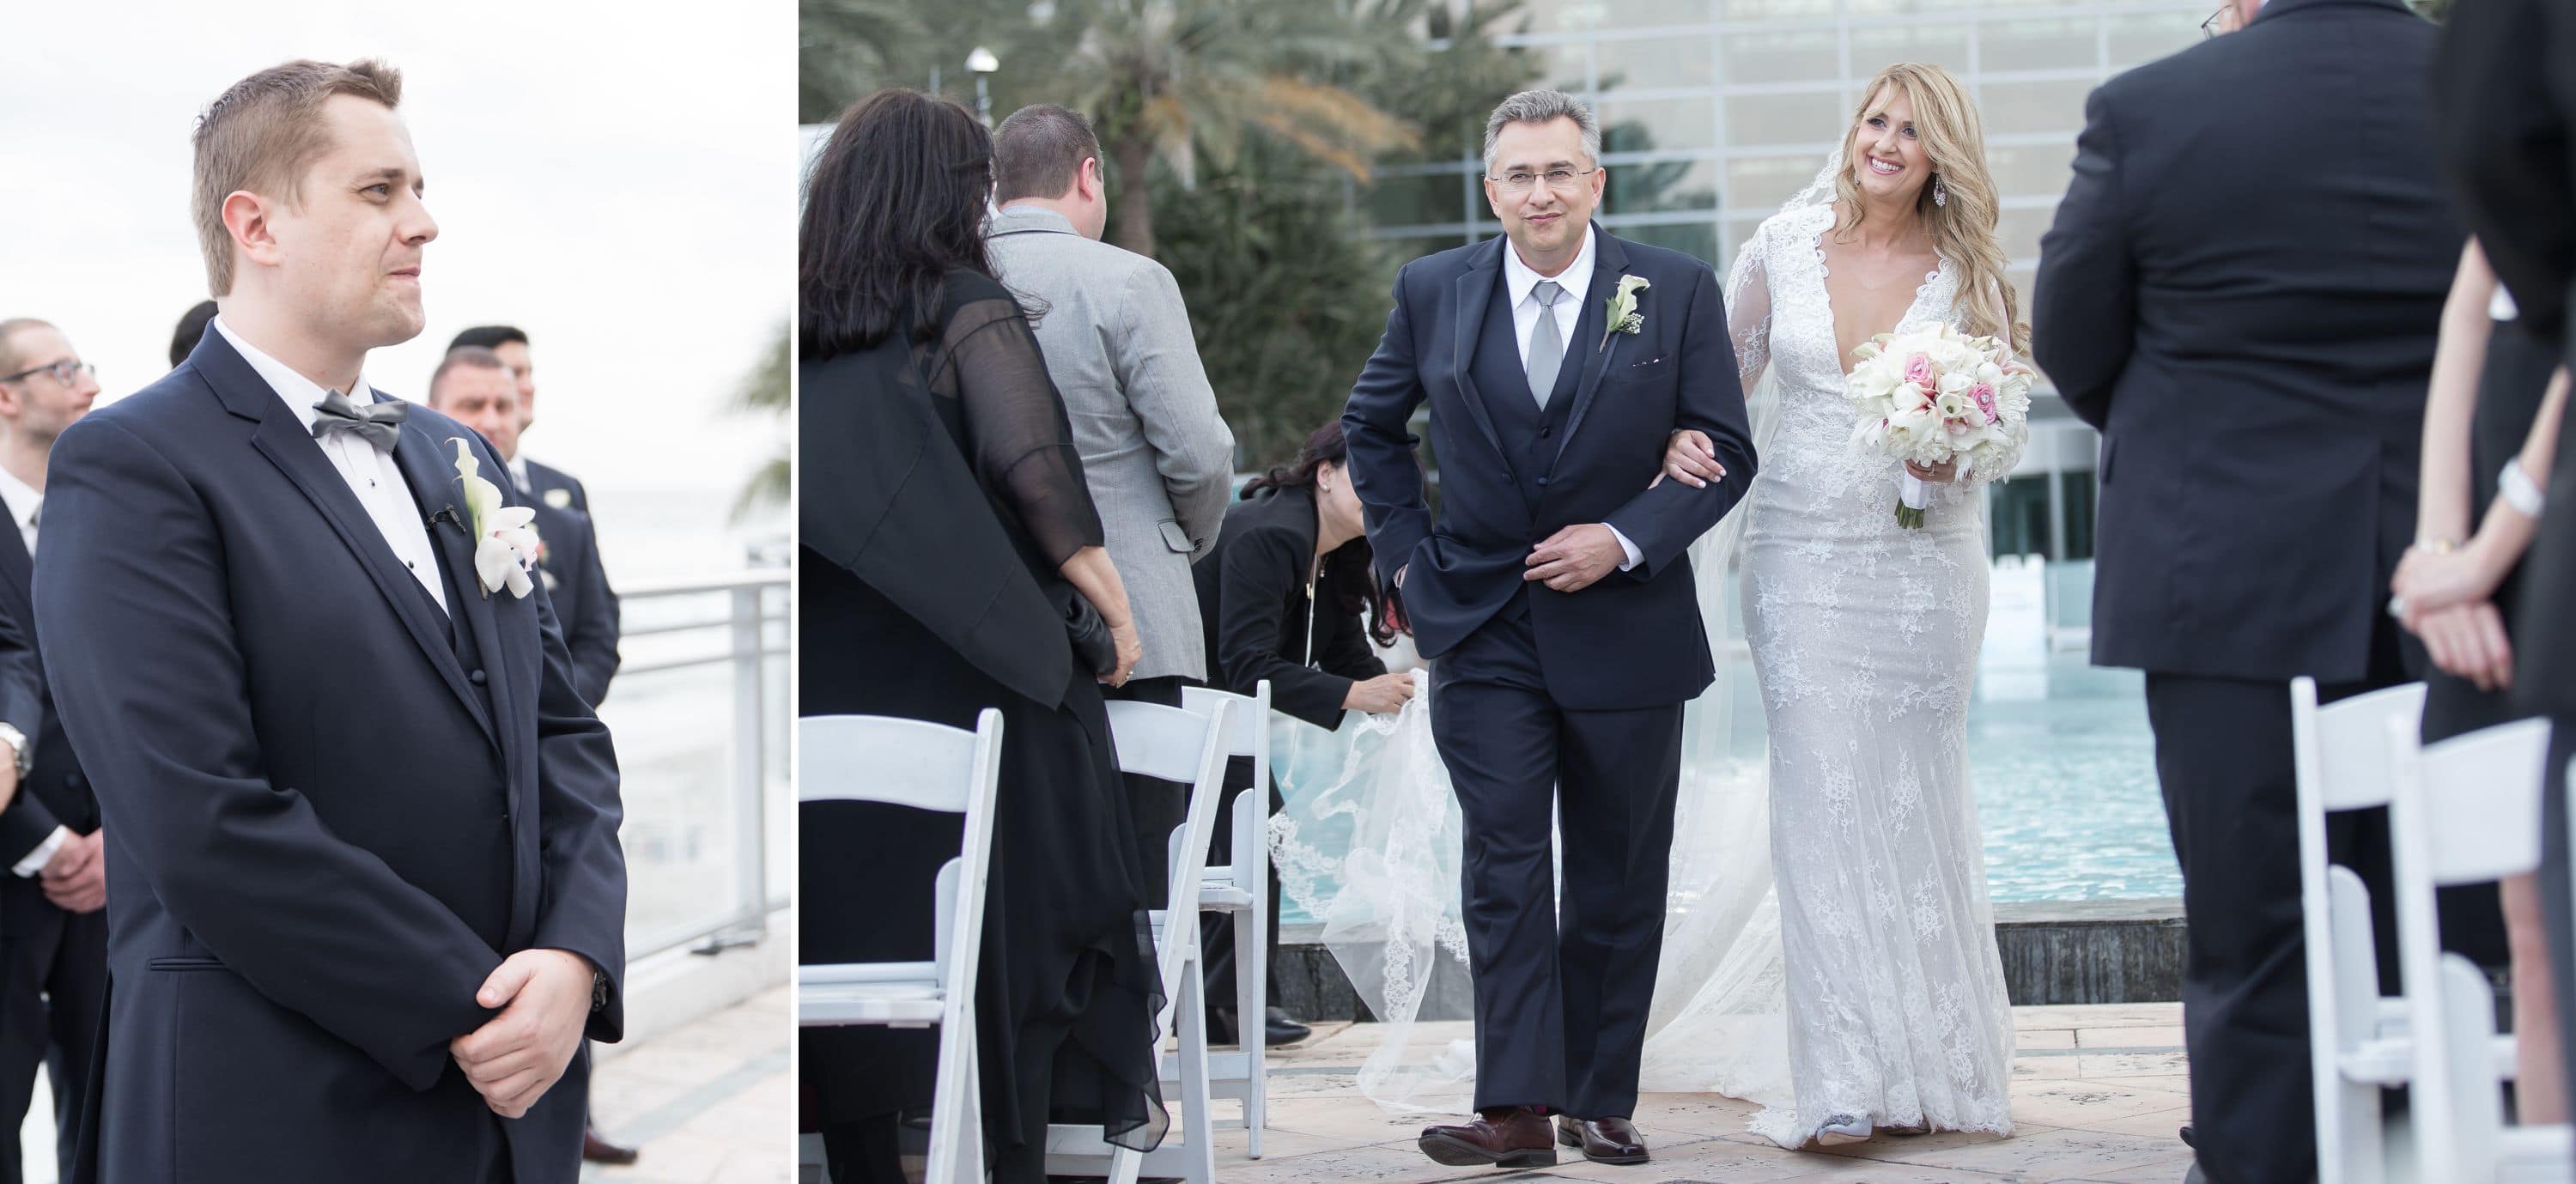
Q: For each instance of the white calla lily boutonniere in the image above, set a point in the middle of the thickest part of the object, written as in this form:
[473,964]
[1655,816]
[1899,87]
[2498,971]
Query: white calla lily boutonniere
[559,498]
[1624,317]
[505,536]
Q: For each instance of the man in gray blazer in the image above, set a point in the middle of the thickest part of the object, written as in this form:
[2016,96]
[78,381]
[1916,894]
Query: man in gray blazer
[1158,458]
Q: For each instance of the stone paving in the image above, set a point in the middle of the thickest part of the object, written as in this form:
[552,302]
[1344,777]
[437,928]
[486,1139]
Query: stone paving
[2098,1094]
[710,1103]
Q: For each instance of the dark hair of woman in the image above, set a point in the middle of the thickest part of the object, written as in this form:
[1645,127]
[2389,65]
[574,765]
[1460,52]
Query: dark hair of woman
[895,202]
[1346,571]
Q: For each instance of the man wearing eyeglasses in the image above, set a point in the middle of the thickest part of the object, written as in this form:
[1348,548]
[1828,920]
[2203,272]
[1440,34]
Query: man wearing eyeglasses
[53,932]
[1553,591]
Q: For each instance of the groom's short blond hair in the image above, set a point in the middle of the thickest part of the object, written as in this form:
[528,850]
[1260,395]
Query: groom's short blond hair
[262,133]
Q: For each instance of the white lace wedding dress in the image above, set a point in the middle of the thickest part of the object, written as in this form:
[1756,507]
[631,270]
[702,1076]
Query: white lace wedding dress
[1862,978]
[1864,637]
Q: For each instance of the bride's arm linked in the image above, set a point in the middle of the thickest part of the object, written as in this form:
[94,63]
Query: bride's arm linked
[1689,458]
[1666,517]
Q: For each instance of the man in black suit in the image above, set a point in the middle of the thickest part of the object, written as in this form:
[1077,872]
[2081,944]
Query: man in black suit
[2505,102]
[477,387]
[53,937]
[2242,291]
[365,893]
[589,617]
[1554,590]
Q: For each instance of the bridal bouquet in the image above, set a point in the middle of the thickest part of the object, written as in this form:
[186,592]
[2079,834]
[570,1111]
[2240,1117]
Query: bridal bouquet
[1932,396]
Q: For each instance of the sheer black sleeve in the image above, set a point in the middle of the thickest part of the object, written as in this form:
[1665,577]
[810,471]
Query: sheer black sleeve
[1019,437]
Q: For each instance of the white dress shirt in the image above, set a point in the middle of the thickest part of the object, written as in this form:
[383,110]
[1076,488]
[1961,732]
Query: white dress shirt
[519,474]
[371,473]
[1520,282]
[25,505]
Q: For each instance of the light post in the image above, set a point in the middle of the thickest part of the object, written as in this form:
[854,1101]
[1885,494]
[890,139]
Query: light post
[983,63]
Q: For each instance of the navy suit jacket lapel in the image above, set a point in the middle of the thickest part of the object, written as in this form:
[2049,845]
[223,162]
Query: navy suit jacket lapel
[1609,262]
[428,465]
[289,445]
[1471,292]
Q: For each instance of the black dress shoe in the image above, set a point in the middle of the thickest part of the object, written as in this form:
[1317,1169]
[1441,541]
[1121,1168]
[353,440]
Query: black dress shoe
[1281,1029]
[1501,1137]
[599,1150]
[1603,1140]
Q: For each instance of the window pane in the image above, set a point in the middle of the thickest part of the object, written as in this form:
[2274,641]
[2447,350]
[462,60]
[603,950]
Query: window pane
[2053,43]
[2021,518]
[2081,486]
[2139,38]
[2012,107]
[2021,231]
[1409,200]
[1658,63]
[1633,125]
[1698,239]
[1763,182]
[1867,8]
[1880,46]
[1799,56]
[1661,185]
[1785,119]
[1566,16]
[1736,231]
[2031,170]
[1772,10]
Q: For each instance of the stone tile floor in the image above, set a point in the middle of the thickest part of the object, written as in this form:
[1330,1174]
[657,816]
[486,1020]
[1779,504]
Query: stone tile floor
[2098,1093]
[710,1103]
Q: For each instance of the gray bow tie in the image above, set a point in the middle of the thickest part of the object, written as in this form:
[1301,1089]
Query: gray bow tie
[376,423]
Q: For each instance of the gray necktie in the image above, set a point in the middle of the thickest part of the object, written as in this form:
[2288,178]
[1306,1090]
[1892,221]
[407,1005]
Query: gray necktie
[1547,343]
[379,424]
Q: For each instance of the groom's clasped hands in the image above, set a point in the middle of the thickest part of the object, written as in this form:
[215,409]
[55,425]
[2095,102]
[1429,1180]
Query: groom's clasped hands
[544,997]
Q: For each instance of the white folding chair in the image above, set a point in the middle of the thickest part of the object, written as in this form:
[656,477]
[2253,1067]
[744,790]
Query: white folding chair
[1242,891]
[1171,744]
[2356,1038]
[860,758]
[2464,811]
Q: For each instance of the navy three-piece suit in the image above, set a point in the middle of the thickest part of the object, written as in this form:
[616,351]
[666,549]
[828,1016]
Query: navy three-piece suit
[1544,699]
[331,808]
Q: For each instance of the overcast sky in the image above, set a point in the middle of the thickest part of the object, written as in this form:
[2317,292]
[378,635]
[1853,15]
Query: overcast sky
[619,180]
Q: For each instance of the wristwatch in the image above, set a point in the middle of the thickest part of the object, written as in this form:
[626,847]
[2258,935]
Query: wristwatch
[17,742]
[598,989]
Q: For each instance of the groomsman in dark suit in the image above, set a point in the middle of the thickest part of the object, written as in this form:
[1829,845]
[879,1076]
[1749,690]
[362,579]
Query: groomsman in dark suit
[474,385]
[589,610]
[53,935]
[365,894]
[2242,291]
[2504,94]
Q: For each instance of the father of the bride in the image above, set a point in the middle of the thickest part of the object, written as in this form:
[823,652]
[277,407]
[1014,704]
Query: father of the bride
[1553,594]
[364,894]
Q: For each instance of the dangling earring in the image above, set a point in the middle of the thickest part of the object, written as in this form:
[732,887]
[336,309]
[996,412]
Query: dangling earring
[1940,192]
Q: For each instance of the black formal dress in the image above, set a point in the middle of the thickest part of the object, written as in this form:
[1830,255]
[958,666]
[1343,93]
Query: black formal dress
[2254,342]
[2505,103]
[1254,604]
[2517,374]
[940,493]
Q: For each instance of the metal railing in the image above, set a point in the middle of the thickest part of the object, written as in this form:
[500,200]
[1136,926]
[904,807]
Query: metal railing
[699,710]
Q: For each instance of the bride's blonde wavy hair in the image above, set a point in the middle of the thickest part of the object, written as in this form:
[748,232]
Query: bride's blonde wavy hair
[1964,228]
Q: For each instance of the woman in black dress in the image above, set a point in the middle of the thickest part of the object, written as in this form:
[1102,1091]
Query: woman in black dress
[942,513]
[1282,597]
[2492,383]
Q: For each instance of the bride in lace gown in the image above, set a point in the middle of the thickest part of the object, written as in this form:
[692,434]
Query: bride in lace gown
[1843,974]
[1864,637]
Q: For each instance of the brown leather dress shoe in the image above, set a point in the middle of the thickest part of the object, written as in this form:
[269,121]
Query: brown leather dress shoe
[1603,1140]
[599,1150]
[1502,1137]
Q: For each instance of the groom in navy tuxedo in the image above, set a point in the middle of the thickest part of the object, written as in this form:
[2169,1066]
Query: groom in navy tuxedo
[1553,592]
[365,896]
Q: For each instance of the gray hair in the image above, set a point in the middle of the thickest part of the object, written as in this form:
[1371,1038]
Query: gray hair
[1543,106]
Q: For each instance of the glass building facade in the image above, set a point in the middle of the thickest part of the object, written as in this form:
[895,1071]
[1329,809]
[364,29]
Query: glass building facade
[1714,112]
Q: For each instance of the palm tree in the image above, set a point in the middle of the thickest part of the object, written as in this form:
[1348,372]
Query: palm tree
[1170,80]
[845,48]
[765,392]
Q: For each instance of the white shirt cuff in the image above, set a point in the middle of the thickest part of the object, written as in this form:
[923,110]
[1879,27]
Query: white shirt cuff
[43,854]
[1635,556]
